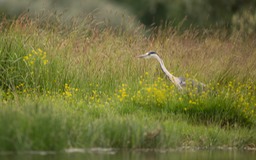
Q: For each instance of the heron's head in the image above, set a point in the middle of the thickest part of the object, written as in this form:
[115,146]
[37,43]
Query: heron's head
[148,54]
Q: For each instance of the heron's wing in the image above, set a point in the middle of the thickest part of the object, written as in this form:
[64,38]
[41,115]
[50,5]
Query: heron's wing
[196,84]
[182,81]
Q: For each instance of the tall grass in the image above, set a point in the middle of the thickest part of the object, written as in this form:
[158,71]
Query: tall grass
[48,125]
[81,86]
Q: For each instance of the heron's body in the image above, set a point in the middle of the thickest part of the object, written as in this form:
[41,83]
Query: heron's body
[179,82]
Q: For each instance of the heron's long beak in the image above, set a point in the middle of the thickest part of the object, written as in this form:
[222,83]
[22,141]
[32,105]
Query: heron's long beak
[142,56]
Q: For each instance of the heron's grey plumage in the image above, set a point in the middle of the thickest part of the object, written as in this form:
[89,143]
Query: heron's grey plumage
[179,82]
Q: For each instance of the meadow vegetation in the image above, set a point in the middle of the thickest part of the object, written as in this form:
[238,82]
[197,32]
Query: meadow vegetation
[82,86]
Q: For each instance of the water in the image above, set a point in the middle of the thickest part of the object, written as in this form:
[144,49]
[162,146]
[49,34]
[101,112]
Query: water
[110,154]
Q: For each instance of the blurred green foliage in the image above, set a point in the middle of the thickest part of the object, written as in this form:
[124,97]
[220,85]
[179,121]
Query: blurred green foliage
[236,15]
[202,13]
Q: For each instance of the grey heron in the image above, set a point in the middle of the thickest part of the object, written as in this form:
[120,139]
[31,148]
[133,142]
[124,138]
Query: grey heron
[179,82]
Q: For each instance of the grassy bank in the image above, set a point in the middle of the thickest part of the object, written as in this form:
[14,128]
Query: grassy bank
[56,124]
[81,86]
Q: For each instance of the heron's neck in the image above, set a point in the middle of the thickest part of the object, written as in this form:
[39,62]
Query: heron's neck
[170,76]
[164,68]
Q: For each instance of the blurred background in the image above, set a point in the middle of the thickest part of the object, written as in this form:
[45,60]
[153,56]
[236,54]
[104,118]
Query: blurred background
[239,15]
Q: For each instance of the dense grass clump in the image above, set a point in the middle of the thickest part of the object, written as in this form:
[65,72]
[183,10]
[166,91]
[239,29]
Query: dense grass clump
[81,86]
